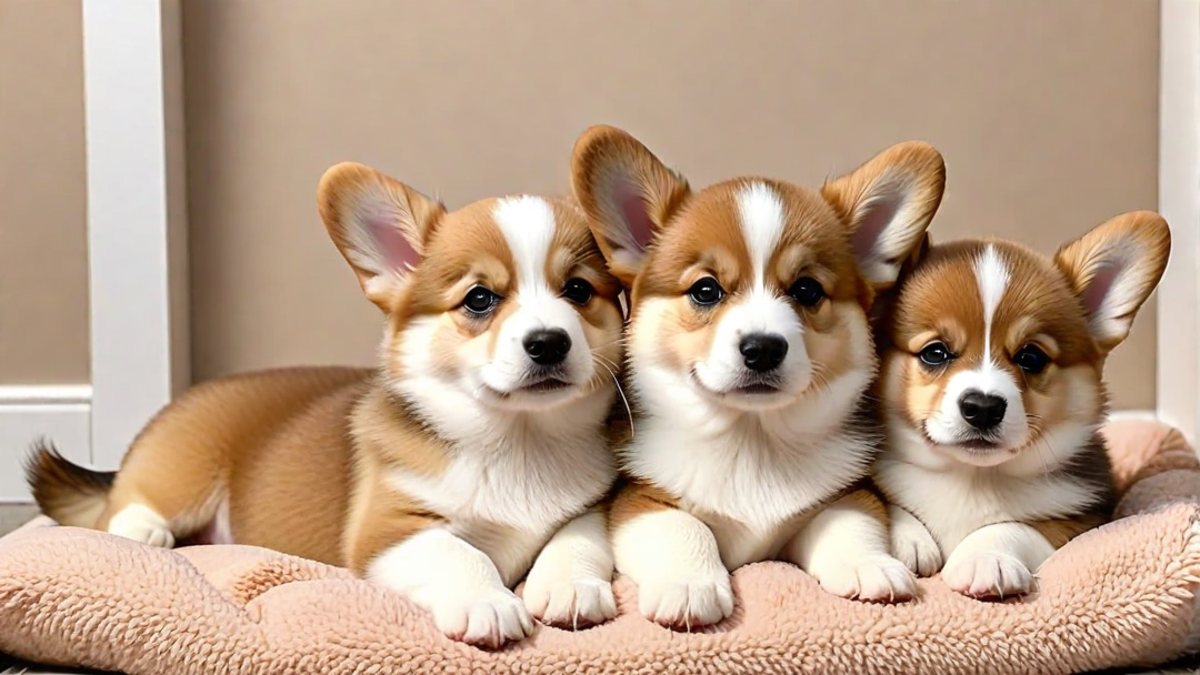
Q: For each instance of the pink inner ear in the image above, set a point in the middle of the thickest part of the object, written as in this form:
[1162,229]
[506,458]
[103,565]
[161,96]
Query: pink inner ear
[1098,288]
[636,212]
[397,253]
[880,213]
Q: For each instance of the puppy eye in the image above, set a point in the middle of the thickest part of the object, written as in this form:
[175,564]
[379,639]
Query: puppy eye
[1031,359]
[706,292]
[807,291]
[578,291]
[480,301]
[935,354]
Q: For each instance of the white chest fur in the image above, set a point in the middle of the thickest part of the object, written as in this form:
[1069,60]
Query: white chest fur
[748,483]
[954,499]
[509,496]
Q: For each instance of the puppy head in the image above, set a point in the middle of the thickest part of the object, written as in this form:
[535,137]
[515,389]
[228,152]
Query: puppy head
[506,301]
[997,352]
[752,293]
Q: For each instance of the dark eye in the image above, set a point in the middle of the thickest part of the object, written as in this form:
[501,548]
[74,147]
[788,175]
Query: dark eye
[578,291]
[807,291]
[935,354]
[706,292]
[480,300]
[1031,359]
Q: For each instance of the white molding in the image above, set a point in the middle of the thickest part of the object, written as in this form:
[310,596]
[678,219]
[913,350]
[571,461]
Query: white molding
[1178,391]
[61,413]
[136,228]
[1139,415]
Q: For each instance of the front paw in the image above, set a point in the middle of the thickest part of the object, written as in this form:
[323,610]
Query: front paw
[569,603]
[488,620]
[686,603]
[874,578]
[987,575]
[913,545]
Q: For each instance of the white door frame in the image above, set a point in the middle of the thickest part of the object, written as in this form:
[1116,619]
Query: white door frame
[1178,390]
[137,257]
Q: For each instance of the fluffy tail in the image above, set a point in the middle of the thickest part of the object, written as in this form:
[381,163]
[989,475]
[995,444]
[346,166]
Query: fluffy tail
[67,492]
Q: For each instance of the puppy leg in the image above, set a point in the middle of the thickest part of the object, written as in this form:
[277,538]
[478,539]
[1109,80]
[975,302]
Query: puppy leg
[457,583]
[673,558]
[570,584]
[845,547]
[912,543]
[996,561]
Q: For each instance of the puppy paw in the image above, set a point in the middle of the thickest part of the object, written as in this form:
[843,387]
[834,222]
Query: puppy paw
[569,603]
[143,525]
[873,578]
[686,603]
[488,620]
[913,545]
[987,575]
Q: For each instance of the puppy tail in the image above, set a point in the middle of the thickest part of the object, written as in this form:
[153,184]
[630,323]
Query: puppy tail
[70,494]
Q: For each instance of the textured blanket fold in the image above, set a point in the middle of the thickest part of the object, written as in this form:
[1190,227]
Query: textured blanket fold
[1118,596]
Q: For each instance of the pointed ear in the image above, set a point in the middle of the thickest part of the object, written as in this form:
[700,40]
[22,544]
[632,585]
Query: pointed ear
[1114,268]
[888,203]
[627,193]
[379,224]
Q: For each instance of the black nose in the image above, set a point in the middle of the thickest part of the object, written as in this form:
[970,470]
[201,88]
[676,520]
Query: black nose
[982,411]
[762,352]
[548,347]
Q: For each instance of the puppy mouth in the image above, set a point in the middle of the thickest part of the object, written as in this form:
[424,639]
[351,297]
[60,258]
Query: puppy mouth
[974,444]
[545,386]
[759,385]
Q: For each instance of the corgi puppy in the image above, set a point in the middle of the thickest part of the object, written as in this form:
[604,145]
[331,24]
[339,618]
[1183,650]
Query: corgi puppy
[749,353]
[992,393]
[475,454]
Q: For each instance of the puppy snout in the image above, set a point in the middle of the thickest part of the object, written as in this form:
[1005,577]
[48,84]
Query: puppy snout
[762,352]
[982,411]
[547,347]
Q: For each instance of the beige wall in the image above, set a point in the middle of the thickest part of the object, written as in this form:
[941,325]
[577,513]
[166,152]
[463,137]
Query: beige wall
[1045,111]
[43,194]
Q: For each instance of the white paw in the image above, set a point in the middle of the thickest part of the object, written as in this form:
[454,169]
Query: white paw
[142,524]
[913,545]
[566,603]
[874,578]
[490,620]
[986,575]
[684,603]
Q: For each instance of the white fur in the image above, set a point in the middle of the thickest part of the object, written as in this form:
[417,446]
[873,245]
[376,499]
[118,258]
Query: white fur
[674,559]
[457,583]
[912,543]
[992,275]
[953,499]
[570,583]
[846,549]
[761,216]
[528,225]
[142,524]
[997,560]
[749,476]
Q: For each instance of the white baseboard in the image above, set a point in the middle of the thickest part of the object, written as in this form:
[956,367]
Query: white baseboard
[1146,415]
[59,413]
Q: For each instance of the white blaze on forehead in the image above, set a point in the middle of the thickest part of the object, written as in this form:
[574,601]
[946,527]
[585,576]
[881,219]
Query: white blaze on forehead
[992,276]
[527,223]
[760,212]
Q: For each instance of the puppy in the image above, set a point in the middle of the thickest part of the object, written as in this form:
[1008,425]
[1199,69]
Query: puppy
[478,443]
[992,396]
[749,354]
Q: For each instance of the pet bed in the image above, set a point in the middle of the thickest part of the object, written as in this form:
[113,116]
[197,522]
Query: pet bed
[1121,595]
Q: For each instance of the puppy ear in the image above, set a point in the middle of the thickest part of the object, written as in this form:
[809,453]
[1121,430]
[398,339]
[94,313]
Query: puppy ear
[379,224]
[627,193]
[888,203]
[1114,268]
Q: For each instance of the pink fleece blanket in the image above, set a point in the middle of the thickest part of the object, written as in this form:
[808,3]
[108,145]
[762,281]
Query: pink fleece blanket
[1120,595]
